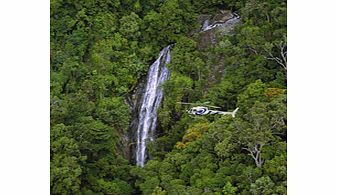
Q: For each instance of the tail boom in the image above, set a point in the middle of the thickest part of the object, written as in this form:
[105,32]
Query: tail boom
[223,113]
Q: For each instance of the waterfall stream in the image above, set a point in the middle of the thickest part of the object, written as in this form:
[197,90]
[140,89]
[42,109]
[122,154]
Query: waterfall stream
[206,26]
[151,99]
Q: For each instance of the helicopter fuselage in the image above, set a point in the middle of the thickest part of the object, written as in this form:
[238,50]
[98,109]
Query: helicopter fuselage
[202,110]
[198,110]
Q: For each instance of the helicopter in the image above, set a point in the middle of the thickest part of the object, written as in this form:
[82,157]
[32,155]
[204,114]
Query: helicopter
[203,110]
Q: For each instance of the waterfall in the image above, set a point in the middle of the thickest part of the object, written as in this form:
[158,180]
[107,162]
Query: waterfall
[205,25]
[152,97]
[233,20]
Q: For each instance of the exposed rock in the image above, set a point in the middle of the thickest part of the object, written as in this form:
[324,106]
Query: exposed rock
[223,16]
[214,27]
[134,102]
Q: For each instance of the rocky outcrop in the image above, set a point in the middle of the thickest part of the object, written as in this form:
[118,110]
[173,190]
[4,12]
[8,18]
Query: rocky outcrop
[212,29]
[215,26]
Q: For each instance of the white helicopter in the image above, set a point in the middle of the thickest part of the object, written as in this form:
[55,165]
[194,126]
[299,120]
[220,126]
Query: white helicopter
[203,110]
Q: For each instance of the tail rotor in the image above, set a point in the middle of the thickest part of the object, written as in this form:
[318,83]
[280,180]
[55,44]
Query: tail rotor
[234,112]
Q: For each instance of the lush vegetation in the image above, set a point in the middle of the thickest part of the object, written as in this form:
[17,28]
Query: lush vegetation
[101,50]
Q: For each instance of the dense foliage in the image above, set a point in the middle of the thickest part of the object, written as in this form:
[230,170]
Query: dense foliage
[101,50]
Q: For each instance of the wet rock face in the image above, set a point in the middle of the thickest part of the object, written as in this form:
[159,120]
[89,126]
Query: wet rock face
[214,27]
[134,102]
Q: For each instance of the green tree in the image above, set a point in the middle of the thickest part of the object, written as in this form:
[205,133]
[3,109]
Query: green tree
[228,189]
[66,159]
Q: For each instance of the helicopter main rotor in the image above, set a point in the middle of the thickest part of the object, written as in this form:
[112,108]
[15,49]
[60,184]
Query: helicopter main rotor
[199,104]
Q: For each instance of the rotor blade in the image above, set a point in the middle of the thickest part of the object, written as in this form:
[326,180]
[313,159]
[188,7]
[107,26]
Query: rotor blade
[214,106]
[184,103]
[209,105]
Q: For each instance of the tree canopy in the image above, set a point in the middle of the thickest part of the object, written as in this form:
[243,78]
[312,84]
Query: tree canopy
[101,51]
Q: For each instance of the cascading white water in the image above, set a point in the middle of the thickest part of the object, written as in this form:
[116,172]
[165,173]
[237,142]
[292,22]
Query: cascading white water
[234,19]
[152,97]
[205,25]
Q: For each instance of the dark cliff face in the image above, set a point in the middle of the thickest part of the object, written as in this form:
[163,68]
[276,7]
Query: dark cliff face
[223,23]
[220,24]
[134,101]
